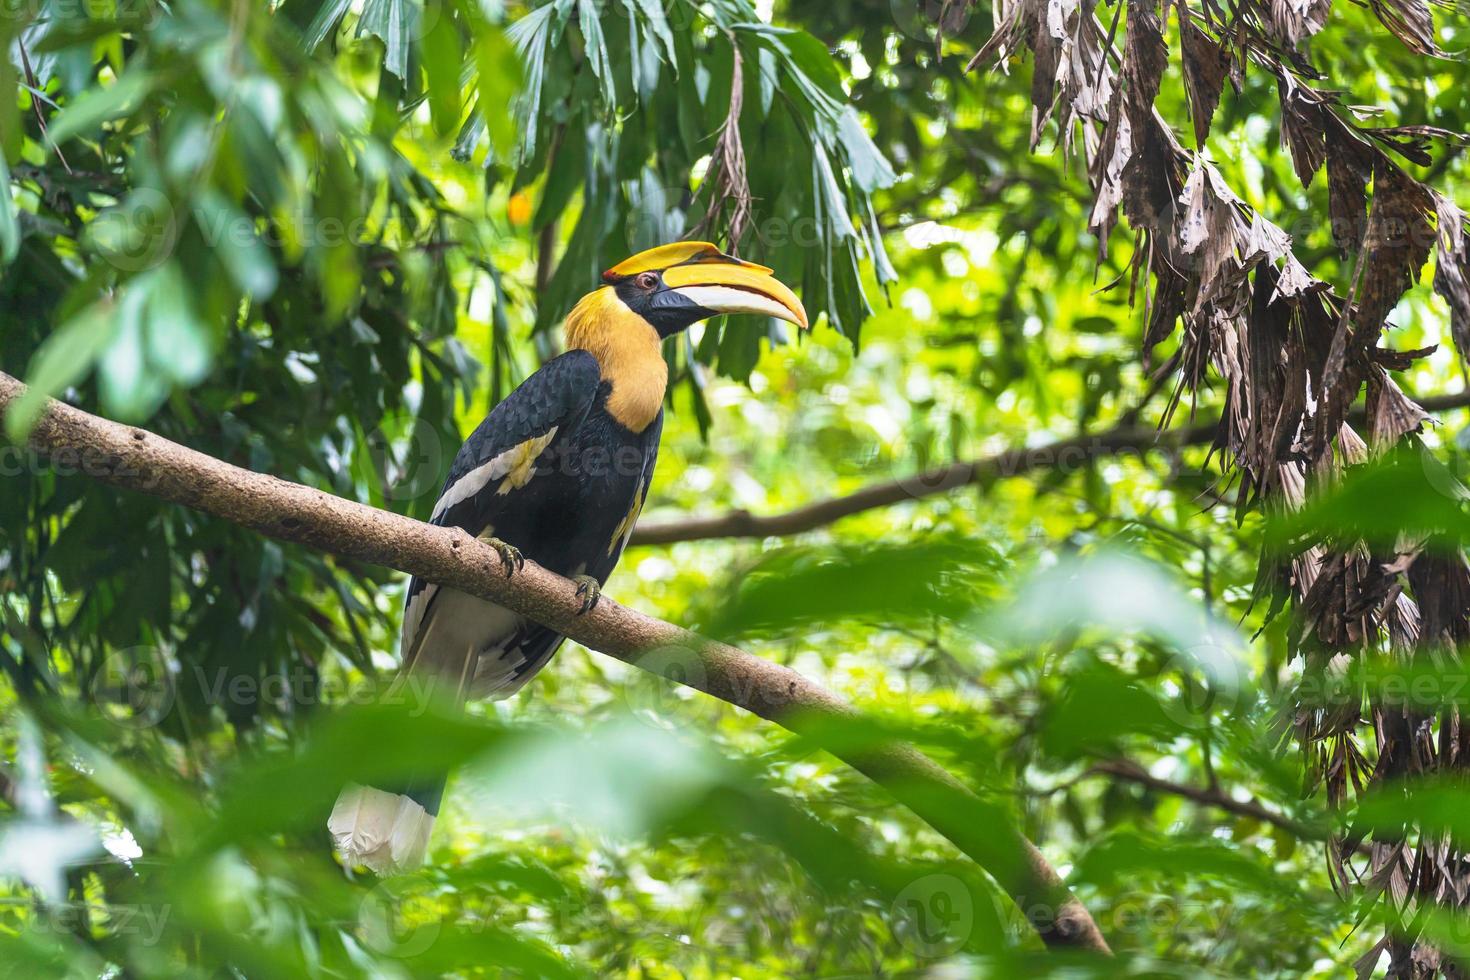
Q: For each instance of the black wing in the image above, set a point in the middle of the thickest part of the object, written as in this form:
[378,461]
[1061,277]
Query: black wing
[505,446]
[500,457]
[525,652]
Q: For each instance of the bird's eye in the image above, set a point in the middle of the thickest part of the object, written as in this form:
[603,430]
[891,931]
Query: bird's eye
[647,280]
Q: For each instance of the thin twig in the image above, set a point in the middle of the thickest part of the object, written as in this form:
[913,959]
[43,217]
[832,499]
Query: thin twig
[35,86]
[1063,453]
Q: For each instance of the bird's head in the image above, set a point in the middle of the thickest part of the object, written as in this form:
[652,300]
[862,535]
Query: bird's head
[675,286]
[655,294]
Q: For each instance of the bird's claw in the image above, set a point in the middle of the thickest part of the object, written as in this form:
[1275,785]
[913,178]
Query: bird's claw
[590,590]
[510,556]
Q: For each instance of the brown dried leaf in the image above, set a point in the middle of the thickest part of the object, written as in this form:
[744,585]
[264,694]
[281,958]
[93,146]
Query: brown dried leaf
[1278,394]
[1391,413]
[1441,583]
[1410,21]
[1413,148]
[1296,281]
[1400,360]
[1349,164]
[1452,270]
[1296,19]
[1205,65]
[1206,219]
[1302,130]
[1151,179]
[1043,85]
[1396,245]
[1111,162]
[730,194]
[1015,21]
[1170,299]
[1145,56]
[1264,240]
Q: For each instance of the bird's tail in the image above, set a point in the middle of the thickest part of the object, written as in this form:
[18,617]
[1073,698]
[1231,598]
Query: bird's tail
[387,830]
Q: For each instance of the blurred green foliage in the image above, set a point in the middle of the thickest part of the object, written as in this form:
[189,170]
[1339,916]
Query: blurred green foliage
[320,238]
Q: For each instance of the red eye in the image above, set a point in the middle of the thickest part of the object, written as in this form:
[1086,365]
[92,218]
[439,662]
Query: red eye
[647,280]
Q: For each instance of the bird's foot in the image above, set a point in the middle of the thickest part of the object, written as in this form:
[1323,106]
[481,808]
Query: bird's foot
[590,590]
[510,556]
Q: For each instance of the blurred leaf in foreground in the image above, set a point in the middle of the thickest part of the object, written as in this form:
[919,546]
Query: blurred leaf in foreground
[791,588]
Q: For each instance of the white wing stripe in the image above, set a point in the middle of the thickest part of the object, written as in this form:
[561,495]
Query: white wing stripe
[478,478]
[413,616]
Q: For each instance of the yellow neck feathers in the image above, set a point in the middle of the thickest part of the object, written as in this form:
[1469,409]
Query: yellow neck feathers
[628,350]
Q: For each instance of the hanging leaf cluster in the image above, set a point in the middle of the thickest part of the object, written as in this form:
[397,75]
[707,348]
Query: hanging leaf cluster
[1294,353]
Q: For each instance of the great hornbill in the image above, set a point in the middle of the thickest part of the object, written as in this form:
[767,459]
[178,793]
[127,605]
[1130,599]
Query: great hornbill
[557,472]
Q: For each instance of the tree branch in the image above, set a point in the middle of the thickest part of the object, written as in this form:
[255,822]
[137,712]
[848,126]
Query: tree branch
[135,459]
[1131,771]
[1216,797]
[1064,454]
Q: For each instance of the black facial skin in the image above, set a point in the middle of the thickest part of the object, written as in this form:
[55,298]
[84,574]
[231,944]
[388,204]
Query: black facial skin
[668,311]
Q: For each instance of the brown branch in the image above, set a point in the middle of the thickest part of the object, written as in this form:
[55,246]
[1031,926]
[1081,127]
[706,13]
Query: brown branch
[35,87]
[1064,454]
[135,459]
[1206,796]
[1219,799]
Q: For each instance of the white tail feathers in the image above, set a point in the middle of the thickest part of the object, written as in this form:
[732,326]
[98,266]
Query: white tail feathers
[387,832]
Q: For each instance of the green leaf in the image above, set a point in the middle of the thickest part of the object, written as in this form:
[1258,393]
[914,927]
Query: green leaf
[807,58]
[793,587]
[531,37]
[500,79]
[567,170]
[63,359]
[99,105]
[178,343]
[589,19]
[9,224]
[882,265]
[469,135]
[1428,501]
[1126,857]
[328,15]
[870,171]
[1099,709]
[658,23]
[392,22]
[232,234]
[130,389]
[442,56]
[12,137]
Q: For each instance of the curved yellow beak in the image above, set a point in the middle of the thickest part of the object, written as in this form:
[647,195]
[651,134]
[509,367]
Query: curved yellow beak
[743,288]
[709,278]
